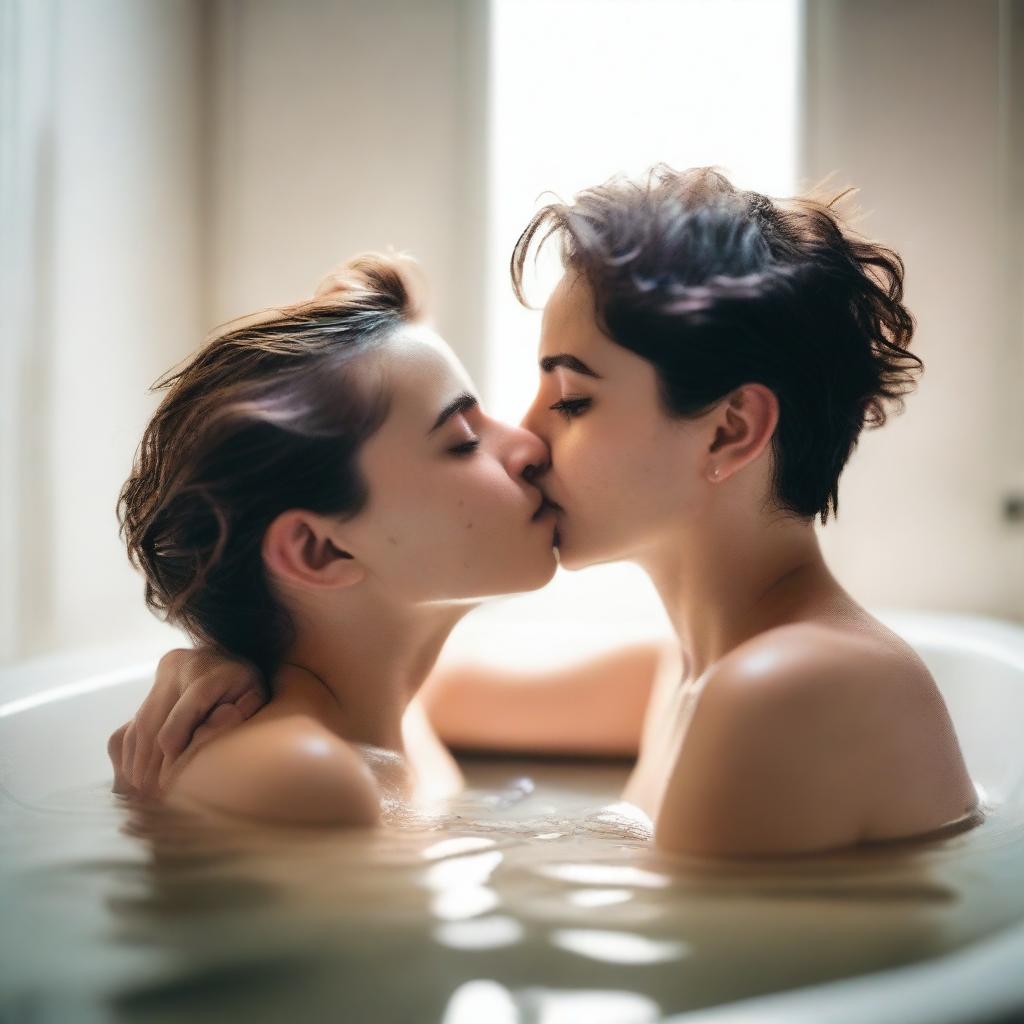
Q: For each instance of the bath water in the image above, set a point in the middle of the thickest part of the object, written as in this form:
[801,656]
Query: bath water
[532,896]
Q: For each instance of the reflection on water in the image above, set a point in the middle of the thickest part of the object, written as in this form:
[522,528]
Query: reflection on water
[484,933]
[478,1001]
[606,874]
[531,897]
[618,947]
[449,847]
[461,872]
[599,897]
[461,902]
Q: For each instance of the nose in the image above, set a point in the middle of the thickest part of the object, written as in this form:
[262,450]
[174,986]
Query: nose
[528,456]
[533,421]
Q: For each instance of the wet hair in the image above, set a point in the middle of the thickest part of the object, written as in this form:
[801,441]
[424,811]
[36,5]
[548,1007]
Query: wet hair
[718,287]
[267,416]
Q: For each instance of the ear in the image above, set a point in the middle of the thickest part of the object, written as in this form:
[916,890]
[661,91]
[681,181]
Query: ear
[745,423]
[302,548]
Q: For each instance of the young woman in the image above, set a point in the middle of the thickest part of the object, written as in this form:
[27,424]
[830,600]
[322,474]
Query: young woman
[321,494]
[707,363]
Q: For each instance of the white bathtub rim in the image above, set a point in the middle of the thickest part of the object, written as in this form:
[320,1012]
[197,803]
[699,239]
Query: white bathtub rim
[30,684]
[91,684]
[999,639]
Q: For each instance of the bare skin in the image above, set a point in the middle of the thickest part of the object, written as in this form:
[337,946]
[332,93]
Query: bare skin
[786,719]
[294,761]
[780,667]
[798,722]
[452,519]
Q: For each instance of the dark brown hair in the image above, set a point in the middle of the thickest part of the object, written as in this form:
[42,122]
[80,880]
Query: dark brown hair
[718,287]
[265,417]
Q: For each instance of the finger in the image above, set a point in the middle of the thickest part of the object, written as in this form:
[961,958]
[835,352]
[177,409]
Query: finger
[231,680]
[177,672]
[128,753]
[150,784]
[191,710]
[120,786]
[149,719]
[250,702]
[166,767]
[221,719]
[225,715]
[114,745]
[176,733]
[114,752]
[173,672]
[170,768]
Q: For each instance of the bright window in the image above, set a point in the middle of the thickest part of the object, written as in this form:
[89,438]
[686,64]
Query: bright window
[583,89]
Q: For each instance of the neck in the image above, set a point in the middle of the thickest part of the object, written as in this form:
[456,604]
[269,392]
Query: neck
[735,574]
[356,664]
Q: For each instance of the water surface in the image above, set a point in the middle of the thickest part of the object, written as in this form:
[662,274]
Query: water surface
[533,896]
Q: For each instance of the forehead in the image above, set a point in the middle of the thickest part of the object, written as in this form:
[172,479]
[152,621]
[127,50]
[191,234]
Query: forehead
[570,328]
[568,323]
[419,369]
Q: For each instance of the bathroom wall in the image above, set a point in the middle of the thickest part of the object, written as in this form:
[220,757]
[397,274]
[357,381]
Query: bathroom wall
[337,127]
[100,284]
[921,105]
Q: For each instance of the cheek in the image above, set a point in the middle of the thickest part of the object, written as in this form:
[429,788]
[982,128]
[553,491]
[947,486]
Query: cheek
[457,510]
[621,471]
[465,534]
[486,501]
[595,458]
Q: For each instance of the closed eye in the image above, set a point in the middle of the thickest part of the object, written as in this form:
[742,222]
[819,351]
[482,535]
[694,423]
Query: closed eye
[571,407]
[466,448]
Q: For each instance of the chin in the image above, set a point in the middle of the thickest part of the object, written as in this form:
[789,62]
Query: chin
[545,573]
[531,572]
[572,557]
[571,563]
[542,572]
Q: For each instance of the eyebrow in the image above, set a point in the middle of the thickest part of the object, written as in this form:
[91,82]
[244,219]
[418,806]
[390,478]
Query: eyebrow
[461,404]
[549,363]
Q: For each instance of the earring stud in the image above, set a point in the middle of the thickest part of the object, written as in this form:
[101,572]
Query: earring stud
[714,473]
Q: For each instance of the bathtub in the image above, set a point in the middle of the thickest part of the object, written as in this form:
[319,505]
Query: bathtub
[534,896]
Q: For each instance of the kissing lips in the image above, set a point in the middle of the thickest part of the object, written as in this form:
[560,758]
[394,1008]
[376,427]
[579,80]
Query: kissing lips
[548,506]
[544,508]
[545,504]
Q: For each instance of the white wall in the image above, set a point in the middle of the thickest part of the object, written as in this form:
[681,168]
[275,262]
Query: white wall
[904,101]
[25,190]
[341,127]
[111,171]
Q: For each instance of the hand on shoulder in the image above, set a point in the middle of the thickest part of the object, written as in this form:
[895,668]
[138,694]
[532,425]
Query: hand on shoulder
[289,770]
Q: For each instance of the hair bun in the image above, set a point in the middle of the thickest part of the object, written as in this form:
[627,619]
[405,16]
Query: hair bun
[392,278]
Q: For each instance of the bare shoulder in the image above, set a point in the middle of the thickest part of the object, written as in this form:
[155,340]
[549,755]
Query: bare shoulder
[867,677]
[811,737]
[288,770]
